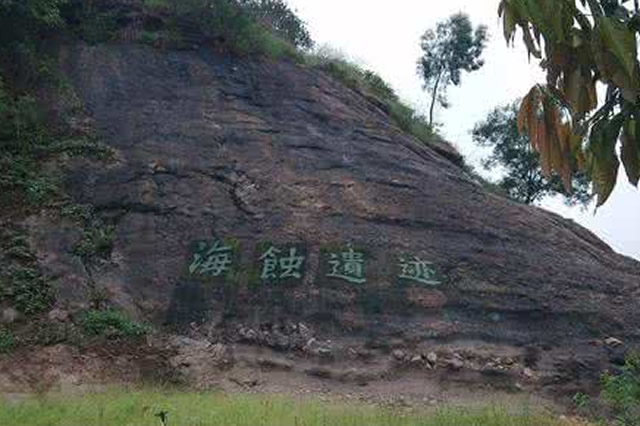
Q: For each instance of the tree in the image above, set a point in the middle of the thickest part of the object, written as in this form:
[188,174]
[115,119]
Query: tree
[523,180]
[582,45]
[453,47]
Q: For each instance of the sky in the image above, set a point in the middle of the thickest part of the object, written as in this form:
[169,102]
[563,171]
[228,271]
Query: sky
[385,37]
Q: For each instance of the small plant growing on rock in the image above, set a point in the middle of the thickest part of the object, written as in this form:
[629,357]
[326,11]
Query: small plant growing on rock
[6,341]
[30,291]
[111,323]
[96,241]
[22,284]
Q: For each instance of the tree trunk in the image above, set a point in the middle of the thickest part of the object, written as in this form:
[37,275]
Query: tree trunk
[531,190]
[434,97]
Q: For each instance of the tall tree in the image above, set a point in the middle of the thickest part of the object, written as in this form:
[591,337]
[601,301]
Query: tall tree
[453,47]
[582,44]
[523,180]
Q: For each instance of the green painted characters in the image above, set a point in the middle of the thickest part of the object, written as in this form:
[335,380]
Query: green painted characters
[281,264]
[348,265]
[285,263]
[212,260]
[418,270]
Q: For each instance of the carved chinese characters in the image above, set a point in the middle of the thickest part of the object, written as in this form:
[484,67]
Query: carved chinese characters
[286,263]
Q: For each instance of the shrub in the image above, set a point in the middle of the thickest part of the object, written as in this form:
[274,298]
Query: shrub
[22,19]
[21,282]
[20,122]
[276,16]
[111,323]
[244,27]
[622,392]
[94,22]
[96,241]
[225,21]
[6,341]
[28,289]
[22,135]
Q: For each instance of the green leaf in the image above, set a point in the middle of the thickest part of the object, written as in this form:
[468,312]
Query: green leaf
[602,156]
[615,38]
[631,150]
[509,21]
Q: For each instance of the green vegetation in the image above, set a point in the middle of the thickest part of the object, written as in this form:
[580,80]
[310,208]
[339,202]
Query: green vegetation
[6,341]
[581,45]
[96,241]
[452,48]
[23,20]
[22,143]
[621,393]
[523,179]
[619,400]
[21,282]
[48,333]
[244,27]
[145,407]
[28,144]
[28,290]
[93,22]
[112,324]
[276,15]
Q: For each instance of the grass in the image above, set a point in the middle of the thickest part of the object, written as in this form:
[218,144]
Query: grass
[142,408]
[97,241]
[111,323]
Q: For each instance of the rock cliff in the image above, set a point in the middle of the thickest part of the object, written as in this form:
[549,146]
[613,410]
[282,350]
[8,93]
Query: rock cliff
[257,203]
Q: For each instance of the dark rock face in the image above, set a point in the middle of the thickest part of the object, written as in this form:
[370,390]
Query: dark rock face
[259,151]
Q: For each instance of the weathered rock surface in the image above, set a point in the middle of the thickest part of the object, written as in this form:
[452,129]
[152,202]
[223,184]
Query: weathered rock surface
[263,151]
